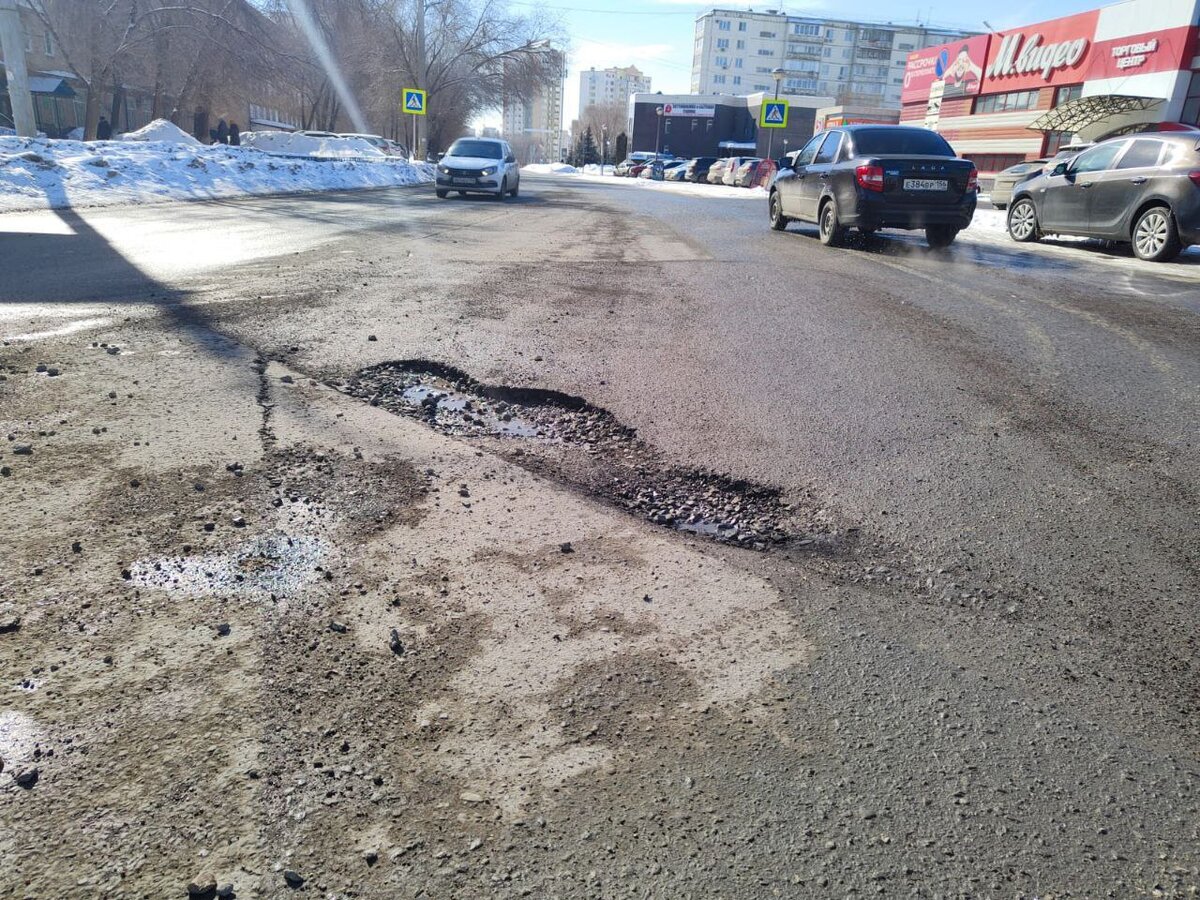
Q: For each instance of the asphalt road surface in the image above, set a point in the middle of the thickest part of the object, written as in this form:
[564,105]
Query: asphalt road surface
[987,680]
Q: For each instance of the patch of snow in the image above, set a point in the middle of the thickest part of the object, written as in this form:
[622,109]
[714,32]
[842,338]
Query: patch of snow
[550,169]
[287,143]
[53,174]
[673,187]
[161,130]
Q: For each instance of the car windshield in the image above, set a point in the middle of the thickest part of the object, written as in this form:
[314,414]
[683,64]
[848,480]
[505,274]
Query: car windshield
[477,149]
[904,141]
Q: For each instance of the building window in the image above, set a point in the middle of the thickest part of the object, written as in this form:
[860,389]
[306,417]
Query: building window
[737,79]
[723,25]
[718,79]
[767,34]
[765,52]
[48,38]
[722,43]
[722,61]
[741,26]
[1191,105]
[741,44]
[667,125]
[808,29]
[1067,94]
[737,63]
[1011,102]
[905,47]
[1055,141]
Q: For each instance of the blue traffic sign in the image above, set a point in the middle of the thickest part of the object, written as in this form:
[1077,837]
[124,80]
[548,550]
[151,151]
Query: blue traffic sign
[414,102]
[774,114]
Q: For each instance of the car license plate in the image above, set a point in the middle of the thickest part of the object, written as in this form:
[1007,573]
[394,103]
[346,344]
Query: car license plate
[462,180]
[926,184]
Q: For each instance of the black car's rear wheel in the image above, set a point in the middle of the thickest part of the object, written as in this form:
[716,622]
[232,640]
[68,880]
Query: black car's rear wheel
[1155,236]
[939,236]
[441,195]
[830,228]
[1023,222]
[778,220]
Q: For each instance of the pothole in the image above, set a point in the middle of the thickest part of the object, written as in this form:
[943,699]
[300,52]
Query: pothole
[586,445]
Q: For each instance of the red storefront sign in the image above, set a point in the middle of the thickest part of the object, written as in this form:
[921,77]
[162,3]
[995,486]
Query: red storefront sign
[957,66]
[1051,53]
[1139,54]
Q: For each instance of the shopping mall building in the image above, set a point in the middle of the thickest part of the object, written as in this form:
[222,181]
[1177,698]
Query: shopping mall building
[1021,94]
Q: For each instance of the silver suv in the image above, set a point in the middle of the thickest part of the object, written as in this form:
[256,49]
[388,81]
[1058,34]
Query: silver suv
[1142,189]
[479,166]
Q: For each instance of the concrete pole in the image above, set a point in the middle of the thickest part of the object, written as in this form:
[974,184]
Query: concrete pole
[12,44]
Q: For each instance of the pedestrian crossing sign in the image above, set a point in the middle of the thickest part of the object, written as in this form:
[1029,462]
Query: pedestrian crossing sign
[774,114]
[414,102]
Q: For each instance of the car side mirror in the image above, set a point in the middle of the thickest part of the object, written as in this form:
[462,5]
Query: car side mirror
[1060,169]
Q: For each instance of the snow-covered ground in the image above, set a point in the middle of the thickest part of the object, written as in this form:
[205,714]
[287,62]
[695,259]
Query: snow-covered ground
[592,173]
[36,173]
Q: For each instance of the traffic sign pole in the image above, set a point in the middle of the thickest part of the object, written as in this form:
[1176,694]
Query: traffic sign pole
[413,104]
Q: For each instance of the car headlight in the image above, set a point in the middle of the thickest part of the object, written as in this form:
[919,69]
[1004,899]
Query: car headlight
[444,170]
[490,170]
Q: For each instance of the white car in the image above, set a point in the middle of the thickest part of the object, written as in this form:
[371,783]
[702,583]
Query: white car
[479,166]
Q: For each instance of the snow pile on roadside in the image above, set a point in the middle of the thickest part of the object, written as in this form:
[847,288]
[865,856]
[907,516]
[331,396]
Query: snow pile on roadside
[50,174]
[161,130]
[550,169]
[289,144]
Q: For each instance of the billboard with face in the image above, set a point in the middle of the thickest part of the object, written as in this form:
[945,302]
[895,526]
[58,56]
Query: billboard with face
[955,69]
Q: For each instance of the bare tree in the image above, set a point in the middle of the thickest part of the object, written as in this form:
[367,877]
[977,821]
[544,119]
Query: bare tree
[467,55]
[109,43]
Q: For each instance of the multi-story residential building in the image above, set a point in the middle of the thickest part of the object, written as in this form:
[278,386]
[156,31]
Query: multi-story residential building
[534,125]
[854,62]
[601,87]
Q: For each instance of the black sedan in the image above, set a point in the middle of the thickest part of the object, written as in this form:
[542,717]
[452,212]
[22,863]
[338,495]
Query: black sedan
[1142,189]
[876,176]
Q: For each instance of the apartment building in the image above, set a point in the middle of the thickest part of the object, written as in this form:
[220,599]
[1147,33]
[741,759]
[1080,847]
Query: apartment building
[600,87]
[534,125]
[854,62]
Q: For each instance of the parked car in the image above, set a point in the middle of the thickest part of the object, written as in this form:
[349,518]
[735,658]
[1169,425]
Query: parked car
[1005,181]
[731,169]
[380,143]
[633,160]
[697,170]
[479,166]
[717,171]
[747,172]
[876,176]
[1067,151]
[1142,189]
[318,134]
[677,171]
[668,165]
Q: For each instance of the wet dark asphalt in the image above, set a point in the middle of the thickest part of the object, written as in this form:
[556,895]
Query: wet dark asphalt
[1011,430]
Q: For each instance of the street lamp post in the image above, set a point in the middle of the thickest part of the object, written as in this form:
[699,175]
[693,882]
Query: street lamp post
[658,111]
[778,75]
[603,147]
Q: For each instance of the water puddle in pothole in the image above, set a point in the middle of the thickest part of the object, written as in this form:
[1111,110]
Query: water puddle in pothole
[275,564]
[581,443]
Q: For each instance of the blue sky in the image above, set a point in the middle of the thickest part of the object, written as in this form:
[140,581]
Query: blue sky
[656,35]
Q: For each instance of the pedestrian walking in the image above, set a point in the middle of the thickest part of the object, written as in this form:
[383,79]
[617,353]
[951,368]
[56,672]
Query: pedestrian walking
[222,132]
[235,135]
[104,130]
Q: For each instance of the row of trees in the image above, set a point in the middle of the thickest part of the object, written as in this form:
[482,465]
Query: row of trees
[600,122]
[324,61]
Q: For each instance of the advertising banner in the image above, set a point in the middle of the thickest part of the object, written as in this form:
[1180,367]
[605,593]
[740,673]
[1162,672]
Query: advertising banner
[689,110]
[957,67]
[1050,53]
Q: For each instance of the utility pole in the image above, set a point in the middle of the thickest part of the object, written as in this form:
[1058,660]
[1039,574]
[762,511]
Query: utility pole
[12,44]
